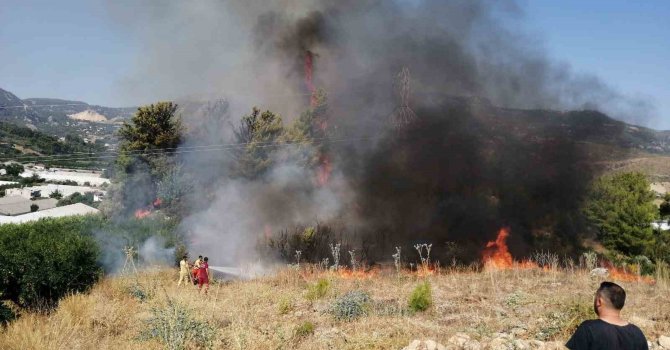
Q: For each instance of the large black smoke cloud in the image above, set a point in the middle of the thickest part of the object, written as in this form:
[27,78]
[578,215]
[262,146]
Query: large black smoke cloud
[454,175]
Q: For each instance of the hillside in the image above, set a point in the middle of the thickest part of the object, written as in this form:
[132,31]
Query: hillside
[22,141]
[495,309]
[52,116]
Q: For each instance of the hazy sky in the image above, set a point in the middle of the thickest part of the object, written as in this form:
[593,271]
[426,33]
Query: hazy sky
[74,49]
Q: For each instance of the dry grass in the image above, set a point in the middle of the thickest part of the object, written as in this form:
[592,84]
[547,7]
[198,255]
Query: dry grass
[268,313]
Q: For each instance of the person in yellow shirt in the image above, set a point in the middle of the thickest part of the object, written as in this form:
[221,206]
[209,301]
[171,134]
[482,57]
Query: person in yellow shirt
[184,273]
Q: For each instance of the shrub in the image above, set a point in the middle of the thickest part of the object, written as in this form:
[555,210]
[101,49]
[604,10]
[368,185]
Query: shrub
[34,207]
[6,314]
[285,306]
[304,329]
[175,326]
[560,324]
[421,298]
[318,290]
[350,306]
[44,260]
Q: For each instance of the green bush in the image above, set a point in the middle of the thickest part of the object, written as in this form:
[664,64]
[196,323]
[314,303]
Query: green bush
[285,306]
[42,261]
[175,326]
[350,306]
[318,290]
[421,298]
[304,329]
[6,314]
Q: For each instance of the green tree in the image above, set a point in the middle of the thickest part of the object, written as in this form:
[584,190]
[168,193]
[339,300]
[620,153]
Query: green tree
[56,194]
[144,159]
[307,134]
[14,169]
[259,132]
[45,260]
[620,208]
[34,207]
[664,209]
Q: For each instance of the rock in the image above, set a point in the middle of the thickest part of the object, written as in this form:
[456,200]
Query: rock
[664,342]
[599,272]
[554,345]
[430,345]
[414,345]
[472,345]
[424,345]
[521,344]
[459,339]
[501,344]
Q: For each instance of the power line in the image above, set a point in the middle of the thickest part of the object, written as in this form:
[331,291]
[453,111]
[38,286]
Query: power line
[221,148]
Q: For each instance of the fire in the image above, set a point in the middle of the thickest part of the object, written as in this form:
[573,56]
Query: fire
[625,276]
[325,168]
[357,274]
[309,71]
[497,256]
[496,253]
[142,213]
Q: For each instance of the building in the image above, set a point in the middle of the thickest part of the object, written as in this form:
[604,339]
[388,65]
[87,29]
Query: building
[17,205]
[64,211]
[85,178]
[662,225]
[44,191]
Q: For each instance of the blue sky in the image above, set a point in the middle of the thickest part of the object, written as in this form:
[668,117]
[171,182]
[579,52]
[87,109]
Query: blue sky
[73,49]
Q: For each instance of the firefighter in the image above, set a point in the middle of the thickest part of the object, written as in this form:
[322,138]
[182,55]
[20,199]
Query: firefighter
[184,271]
[196,266]
[203,275]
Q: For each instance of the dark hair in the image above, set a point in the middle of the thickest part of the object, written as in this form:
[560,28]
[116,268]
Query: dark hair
[613,293]
[206,259]
[185,257]
[199,256]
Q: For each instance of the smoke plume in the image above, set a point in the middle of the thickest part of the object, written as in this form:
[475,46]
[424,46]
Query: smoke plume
[455,175]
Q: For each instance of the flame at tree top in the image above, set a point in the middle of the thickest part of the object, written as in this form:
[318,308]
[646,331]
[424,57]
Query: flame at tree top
[496,253]
[309,71]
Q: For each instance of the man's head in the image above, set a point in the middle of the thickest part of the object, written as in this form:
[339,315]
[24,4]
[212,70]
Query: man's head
[610,296]
[200,257]
[206,259]
[185,257]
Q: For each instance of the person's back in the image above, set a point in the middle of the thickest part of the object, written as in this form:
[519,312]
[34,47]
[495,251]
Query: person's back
[600,335]
[609,331]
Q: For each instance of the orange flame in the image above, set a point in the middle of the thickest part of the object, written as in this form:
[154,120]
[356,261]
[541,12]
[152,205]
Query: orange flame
[142,213]
[496,254]
[309,70]
[358,274]
[324,170]
[626,276]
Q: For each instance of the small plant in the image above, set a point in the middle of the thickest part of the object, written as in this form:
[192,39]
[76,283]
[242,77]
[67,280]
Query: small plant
[351,305]
[421,298]
[177,329]
[305,329]
[590,260]
[285,306]
[396,259]
[354,263]
[324,264]
[335,251]
[137,292]
[425,262]
[318,290]
[297,257]
[560,324]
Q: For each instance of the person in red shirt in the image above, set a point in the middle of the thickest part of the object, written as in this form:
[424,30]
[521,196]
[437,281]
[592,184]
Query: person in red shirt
[203,274]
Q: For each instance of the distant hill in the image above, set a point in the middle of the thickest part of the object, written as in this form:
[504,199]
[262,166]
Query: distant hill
[53,116]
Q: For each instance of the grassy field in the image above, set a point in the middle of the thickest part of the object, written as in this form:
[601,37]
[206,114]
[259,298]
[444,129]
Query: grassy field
[302,309]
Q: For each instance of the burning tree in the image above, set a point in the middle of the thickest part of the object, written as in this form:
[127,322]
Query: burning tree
[146,156]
